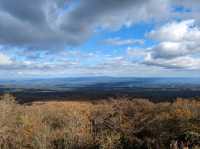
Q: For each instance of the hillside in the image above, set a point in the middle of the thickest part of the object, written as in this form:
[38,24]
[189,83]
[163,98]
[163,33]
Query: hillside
[106,124]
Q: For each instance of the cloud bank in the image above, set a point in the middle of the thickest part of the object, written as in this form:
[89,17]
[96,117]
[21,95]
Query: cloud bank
[50,37]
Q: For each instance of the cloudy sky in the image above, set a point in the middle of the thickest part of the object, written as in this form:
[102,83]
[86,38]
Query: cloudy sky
[72,38]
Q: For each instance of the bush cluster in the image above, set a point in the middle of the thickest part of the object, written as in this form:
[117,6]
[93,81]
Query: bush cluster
[105,124]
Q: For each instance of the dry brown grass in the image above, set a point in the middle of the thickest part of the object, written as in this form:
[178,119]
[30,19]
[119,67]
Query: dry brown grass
[113,124]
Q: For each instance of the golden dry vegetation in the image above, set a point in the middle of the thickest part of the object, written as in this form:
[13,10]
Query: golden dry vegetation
[105,124]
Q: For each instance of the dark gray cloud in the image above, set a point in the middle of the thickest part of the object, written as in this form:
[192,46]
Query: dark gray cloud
[27,23]
[25,10]
[52,24]
[117,41]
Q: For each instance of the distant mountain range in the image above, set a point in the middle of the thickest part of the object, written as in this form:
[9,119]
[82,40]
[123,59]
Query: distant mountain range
[94,88]
[58,84]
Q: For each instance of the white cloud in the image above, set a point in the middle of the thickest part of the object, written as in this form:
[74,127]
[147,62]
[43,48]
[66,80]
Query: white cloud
[4,59]
[136,52]
[168,49]
[177,32]
[185,62]
[178,48]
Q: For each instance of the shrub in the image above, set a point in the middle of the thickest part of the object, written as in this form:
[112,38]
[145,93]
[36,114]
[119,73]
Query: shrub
[107,124]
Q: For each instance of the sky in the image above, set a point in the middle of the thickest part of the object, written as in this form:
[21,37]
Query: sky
[74,38]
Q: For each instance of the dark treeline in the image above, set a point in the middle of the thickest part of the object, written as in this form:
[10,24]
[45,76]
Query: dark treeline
[154,95]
